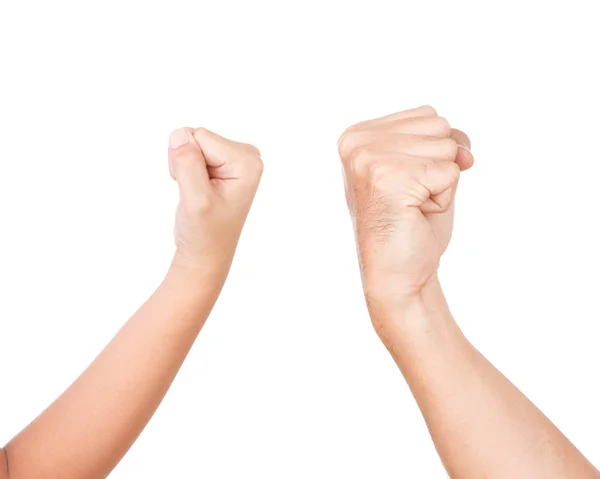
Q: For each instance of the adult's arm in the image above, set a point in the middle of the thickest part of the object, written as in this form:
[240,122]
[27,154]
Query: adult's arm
[481,424]
[401,175]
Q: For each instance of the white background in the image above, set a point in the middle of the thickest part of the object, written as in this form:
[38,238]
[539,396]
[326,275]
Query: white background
[287,379]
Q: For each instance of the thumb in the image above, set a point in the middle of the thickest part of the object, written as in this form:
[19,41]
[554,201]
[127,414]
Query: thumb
[226,159]
[187,165]
[440,177]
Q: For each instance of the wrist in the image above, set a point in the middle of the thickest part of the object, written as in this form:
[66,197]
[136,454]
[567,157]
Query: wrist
[199,268]
[387,298]
[400,318]
[195,284]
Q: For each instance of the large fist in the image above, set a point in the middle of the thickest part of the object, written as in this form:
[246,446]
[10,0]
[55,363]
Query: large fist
[217,180]
[401,173]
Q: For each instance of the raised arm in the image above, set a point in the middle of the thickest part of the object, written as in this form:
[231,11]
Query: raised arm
[89,428]
[401,176]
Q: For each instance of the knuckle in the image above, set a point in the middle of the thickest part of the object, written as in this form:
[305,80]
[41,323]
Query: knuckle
[381,174]
[447,168]
[449,148]
[349,140]
[443,125]
[453,172]
[427,166]
[252,150]
[250,153]
[258,165]
[204,135]
[360,159]
[395,175]
[250,161]
[351,129]
[429,110]
[427,170]
[448,172]
[344,143]
[341,146]
[201,132]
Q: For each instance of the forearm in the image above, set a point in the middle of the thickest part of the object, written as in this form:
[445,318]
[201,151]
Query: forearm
[481,424]
[87,430]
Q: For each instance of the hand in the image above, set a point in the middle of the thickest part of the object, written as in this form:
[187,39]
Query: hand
[401,173]
[217,180]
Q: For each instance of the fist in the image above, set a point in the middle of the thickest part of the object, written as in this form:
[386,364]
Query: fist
[217,180]
[401,173]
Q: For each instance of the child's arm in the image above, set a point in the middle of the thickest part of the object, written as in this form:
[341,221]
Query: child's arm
[88,429]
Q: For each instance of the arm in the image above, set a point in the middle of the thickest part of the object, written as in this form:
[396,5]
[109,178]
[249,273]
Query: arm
[481,424]
[89,428]
[402,172]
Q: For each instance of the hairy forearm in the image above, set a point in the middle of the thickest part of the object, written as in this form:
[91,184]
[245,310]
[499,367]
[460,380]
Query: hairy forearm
[87,430]
[481,424]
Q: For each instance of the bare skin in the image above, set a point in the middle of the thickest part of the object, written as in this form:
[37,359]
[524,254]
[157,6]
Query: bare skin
[401,174]
[88,429]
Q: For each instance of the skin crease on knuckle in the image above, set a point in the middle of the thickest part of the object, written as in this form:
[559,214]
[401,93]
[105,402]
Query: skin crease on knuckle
[350,142]
[360,161]
[441,148]
[429,109]
[343,145]
[436,171]
[351,138]
[450,148]
[424,127]
[253,151]
[255,159]
[442,125]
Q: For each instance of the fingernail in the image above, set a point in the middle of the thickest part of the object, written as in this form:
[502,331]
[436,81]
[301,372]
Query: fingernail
[465,147]
[179,138]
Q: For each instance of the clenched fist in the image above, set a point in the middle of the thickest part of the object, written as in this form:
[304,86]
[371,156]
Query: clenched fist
[217,180]
[401,173]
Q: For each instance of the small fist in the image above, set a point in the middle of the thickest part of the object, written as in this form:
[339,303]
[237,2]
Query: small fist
[401,173]
[217,180]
